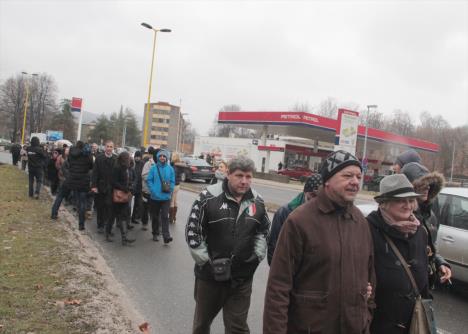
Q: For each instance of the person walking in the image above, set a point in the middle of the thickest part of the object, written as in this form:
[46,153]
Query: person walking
[15,153]
[161,182]
[52,172]
[322,271]
[137,195]
[310,191]
[429,184]
[24,157]
[101,185]
[221,171]
[394,224]
[178,169]
[145,191]
[36,162]
[79,164]
[226,234]
[121,189]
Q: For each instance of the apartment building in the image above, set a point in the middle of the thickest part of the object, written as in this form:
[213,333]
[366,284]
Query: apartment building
[165,126]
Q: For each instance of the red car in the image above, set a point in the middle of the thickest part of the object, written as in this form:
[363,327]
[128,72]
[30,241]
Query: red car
[297,173]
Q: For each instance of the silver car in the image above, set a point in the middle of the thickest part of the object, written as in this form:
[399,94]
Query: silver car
[452,240]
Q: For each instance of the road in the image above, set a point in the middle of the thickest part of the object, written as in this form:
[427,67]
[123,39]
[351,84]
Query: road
[159,278]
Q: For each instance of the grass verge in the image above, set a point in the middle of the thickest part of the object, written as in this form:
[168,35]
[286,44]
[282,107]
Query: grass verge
[41,289]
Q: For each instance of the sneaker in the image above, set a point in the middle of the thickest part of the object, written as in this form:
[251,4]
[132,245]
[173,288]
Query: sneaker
[81,228]
[130,227]
[36,196]
[155,238]
[100,230]
[144,228]
[53,217]
[167,240]
[127,241]
[136,222]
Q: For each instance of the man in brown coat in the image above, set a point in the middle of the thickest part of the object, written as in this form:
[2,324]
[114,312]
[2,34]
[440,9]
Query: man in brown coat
[322,269]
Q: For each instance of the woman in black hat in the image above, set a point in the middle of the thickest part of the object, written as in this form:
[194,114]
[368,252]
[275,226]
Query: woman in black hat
[395,220]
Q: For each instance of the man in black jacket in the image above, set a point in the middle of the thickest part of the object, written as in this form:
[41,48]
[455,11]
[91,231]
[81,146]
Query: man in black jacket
[137,202]
[227,229]
[101,185]
[36,163]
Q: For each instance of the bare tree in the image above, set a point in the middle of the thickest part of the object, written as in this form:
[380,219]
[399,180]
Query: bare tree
[327,108]
[41,101]
[299,106]
[12,99]
[400,123]
[222,130]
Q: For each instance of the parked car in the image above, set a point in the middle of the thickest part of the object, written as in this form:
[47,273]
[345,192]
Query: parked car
[197,169]
[296,173]
[452,238]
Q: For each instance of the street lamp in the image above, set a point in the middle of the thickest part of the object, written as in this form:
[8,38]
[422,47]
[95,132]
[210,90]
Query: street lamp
[26,100]
[364,153]
[146,123]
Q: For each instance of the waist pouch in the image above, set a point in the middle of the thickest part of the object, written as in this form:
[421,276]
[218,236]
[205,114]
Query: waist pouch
[221,269]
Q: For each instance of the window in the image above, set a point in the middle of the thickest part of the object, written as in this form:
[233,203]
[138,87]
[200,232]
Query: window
[460,212]
[158,128]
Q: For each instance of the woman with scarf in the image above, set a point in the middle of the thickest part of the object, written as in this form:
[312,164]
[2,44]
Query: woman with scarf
[395,222]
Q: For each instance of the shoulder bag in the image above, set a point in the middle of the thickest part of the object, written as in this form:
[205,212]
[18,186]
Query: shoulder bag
[120,196]
[422,320]
[165,186]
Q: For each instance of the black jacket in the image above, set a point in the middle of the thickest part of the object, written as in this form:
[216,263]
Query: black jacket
[36,157]
[121,178]
[220,227]
[394,293]
[178,171]
[79,165]
[138,180]
[102,173]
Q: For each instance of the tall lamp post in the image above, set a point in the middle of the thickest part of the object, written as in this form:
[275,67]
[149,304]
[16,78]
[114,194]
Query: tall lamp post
[364,151]
[146,123]
[26,101]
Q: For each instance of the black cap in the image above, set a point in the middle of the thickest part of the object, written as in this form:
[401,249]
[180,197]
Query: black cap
[335,162]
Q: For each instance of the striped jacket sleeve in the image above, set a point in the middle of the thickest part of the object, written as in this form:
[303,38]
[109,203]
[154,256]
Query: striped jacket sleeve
[194,234]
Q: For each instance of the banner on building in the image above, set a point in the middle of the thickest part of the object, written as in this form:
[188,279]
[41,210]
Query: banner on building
[347,131]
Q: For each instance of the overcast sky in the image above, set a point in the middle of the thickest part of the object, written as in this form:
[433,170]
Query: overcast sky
[261,55]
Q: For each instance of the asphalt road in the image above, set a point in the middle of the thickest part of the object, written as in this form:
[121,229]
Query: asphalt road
[160,279]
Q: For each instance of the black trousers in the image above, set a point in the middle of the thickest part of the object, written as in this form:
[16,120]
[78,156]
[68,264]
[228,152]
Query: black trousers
[35,174]
[120,212]
[103,203]
[159,217]
[212,296]
[145,209]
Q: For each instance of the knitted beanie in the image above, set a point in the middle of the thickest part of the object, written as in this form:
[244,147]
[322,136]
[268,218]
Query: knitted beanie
[407,157]
[313,183]
[335,162]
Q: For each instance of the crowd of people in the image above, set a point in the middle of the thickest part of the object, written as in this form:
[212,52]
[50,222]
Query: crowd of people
[332,270]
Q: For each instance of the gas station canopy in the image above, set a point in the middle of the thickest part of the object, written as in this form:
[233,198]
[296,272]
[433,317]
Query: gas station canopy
[310,126]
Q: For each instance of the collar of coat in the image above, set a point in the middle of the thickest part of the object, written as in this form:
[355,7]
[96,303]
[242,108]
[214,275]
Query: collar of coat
[327,206]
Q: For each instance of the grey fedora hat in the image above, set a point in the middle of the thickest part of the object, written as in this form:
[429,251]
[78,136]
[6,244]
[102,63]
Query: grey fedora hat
[395,186]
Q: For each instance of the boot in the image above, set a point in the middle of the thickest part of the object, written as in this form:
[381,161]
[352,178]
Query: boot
[123,233]
[171,215]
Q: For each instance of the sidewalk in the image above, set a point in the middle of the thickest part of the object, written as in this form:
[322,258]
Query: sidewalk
[53,278]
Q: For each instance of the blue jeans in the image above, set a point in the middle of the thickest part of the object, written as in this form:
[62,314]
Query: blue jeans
[80,196]
[35,173]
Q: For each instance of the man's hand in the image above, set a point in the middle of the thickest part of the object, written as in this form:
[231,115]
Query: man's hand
[94,190]
[445,274]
